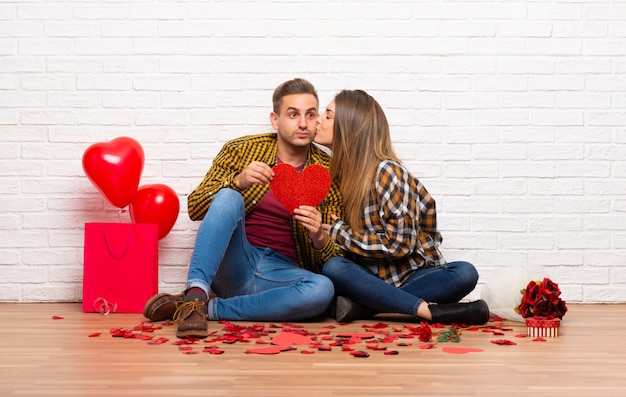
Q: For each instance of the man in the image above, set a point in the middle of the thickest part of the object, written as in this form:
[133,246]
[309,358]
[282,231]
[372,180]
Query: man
[260,261]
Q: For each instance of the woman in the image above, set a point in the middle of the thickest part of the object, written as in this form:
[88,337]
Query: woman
[392,263]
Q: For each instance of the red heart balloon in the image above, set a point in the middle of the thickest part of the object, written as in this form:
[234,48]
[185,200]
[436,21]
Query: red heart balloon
[293,189]
[115,168]
[158,204]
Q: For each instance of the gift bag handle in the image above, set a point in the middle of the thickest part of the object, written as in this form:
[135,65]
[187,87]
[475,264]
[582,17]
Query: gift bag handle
[118,255]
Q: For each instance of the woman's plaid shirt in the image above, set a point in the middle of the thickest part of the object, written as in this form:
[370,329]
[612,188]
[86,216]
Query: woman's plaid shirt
[237,155]
[400,233]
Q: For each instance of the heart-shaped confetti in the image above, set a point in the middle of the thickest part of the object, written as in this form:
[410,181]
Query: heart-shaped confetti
[291,338]
[461,350]
[293,189]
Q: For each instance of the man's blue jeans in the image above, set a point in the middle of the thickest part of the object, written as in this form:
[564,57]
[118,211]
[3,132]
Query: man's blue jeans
[253,283]
[441,284]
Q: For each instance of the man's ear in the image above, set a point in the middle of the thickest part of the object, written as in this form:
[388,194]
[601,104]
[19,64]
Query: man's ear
[274,120]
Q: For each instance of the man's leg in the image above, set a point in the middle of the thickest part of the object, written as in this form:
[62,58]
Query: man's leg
[221,234]
[278,291]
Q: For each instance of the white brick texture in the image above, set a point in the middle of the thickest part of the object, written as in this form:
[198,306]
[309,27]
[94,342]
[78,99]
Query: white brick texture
[512,113]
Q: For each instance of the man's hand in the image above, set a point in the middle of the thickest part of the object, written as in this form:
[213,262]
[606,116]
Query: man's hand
[255,172]
[311,219]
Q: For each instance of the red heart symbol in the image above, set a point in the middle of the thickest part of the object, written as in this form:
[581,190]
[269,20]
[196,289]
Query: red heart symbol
[291,338]
[115,168]
[307,188]
[155,203]
[461,350]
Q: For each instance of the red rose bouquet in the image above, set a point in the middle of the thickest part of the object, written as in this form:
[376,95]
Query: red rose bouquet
[541,299]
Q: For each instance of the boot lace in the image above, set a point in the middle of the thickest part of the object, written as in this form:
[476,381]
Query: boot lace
[185,309]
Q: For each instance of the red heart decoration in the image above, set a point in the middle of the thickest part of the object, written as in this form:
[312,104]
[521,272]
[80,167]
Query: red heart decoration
[461,350]
[115,168]
[291,338]
[155,203]
[293,189]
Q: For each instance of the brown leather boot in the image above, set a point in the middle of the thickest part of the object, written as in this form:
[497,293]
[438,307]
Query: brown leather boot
[191,319]
[162,306]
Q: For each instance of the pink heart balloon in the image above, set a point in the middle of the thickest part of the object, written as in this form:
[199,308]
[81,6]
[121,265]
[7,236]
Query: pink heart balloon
[115,168]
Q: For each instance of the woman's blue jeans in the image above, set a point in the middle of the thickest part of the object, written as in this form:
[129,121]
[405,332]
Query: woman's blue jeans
[253,283]
[441,284]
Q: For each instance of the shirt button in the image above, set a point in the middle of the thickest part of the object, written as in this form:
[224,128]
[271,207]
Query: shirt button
[253,201]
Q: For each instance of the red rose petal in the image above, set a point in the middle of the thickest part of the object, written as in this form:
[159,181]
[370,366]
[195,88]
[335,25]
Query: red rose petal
[57,317]
[539,339]
[360,353]
[212,350]
[361,336]
[503,342]
[347,349]
[324,348]
[95,334]
[391,353]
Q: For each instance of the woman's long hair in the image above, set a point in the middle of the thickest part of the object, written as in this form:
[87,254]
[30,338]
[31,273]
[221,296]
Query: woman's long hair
[361,141]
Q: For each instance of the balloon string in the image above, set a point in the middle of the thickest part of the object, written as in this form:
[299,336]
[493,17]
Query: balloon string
[120,212]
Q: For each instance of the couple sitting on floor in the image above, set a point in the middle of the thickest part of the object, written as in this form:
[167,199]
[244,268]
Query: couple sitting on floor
[371,245]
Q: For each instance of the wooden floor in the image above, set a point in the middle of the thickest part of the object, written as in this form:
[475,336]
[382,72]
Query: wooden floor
[43,356]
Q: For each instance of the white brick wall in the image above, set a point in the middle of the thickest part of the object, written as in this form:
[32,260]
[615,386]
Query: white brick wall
[512,113]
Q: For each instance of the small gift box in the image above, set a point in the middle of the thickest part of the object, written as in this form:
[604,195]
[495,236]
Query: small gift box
[542,327]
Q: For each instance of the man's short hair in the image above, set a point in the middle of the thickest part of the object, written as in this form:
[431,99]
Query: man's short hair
[295,86]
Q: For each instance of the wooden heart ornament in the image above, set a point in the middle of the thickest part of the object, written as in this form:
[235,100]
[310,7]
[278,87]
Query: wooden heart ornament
[293,189]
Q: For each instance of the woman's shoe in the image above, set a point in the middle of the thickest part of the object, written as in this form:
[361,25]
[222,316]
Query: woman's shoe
[347,310]
[471,313]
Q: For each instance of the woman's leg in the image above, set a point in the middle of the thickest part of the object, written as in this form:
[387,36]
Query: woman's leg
[364,287]
[447,283]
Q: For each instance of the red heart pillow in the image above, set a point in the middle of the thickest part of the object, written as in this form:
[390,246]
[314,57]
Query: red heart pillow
[293,189]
